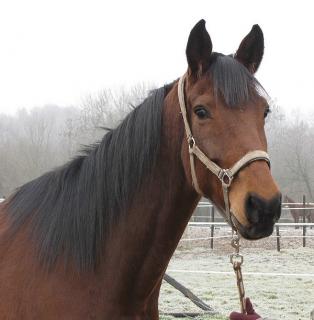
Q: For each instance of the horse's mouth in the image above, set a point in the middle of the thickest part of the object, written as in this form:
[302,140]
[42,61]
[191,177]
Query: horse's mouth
[253,231]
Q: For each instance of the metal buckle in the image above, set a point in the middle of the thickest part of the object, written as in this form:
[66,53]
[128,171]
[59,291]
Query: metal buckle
[236,258]
[191,142]
[225,177]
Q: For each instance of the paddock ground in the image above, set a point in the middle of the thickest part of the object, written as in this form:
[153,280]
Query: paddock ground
[276,296]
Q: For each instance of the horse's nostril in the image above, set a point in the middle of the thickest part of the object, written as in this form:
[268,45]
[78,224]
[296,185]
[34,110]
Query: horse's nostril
[252,209]
[254,202]
[259,210]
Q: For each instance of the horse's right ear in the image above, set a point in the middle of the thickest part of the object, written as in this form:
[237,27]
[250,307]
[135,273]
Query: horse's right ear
[198,49]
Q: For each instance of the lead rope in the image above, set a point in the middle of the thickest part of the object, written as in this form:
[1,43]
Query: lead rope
[236,260]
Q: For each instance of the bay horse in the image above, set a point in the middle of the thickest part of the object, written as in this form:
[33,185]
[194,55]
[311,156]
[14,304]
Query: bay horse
[297,212]
[92,239]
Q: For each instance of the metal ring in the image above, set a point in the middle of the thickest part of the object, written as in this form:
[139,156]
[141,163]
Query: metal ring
[191,142]
[225,177]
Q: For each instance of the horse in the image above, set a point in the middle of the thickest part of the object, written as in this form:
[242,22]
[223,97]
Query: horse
[92,239]
[299,212]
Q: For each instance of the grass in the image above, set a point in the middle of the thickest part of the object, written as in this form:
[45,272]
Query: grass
[278,297]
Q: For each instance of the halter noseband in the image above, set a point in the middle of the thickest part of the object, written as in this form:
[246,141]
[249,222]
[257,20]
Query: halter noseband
[226,176]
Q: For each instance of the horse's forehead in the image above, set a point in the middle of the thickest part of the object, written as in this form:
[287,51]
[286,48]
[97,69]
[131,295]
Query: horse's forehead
[205,87]
[202,86]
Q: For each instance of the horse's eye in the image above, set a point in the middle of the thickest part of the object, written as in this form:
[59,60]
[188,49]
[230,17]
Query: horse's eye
[201,112]
[266,112]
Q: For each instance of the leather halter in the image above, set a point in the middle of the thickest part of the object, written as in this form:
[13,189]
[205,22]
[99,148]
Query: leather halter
[226,176]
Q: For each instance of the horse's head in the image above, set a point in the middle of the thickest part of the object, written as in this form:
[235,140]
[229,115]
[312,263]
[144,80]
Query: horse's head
[226,110]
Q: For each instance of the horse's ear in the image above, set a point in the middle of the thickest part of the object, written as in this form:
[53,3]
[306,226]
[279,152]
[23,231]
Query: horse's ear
[199,48]
[251,50]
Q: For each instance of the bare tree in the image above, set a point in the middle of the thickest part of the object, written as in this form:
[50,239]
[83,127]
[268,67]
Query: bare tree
[291,149]
[32,142]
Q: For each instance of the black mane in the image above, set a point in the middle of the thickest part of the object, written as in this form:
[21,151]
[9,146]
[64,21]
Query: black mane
[73,208]
[233,81]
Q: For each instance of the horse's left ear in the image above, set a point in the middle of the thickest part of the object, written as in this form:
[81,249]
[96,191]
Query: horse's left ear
[251,50]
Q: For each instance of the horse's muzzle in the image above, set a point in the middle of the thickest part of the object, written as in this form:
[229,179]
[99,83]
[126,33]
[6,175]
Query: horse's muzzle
[261,215]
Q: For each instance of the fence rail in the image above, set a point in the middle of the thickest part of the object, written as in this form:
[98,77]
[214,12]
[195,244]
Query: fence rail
[264,274]
[225,224]
[277,234]
[206,212]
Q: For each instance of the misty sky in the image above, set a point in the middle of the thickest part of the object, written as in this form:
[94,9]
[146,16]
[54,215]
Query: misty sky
[56,52]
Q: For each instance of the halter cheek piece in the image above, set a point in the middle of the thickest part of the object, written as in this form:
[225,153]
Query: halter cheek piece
[226,176]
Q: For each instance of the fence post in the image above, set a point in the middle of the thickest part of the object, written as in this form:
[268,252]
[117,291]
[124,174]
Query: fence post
[212,227]
[304,220]
[278,238]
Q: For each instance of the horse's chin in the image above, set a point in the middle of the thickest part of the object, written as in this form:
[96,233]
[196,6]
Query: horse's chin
[249,232]
[253,231]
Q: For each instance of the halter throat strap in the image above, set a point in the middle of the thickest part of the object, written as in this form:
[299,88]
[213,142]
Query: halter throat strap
[225,176]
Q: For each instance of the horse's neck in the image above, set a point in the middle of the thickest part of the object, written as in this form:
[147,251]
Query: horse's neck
[146,239]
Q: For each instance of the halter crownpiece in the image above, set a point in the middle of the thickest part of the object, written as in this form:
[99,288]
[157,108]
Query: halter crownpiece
[226,176]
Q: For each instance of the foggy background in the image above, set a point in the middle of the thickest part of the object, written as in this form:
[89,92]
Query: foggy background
[36,140]
[70,67]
